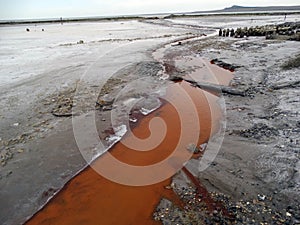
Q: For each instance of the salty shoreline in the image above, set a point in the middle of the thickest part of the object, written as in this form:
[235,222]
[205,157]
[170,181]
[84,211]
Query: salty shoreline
[227,50]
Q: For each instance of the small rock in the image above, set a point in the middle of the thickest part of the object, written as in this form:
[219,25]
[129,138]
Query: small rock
[133,120]
[203,147]
[8,173]
[261,197]
[20,150]
[193,148]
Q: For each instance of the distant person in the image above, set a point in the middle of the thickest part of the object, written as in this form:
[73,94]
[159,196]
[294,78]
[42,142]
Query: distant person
[231,32]
[227,32]
[224,33]
[284,17]
[61,20]
[220,32]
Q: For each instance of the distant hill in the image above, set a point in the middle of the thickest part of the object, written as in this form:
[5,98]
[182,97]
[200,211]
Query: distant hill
[235,9]
[241,9]
[238,8]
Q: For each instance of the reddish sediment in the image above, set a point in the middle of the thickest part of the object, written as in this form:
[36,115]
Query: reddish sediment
[90,198]
[202,193]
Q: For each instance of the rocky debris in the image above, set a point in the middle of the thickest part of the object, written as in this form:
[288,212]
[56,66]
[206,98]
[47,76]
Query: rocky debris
[170,68]
[148,68]
[193,148]
[260,131]
[16,140]
[5,155]
[255,211]
[176,79]
[104,105]
[63,103]
[11,146]
[109,86]
[292,63]
[80,42]
[224,65]
[295,37]
[196,149]
[212,87]
[274,129]
[261,197]
[292,84]
[290,30]
[64,107]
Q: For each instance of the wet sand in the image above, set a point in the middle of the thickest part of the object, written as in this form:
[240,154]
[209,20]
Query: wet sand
[243,176]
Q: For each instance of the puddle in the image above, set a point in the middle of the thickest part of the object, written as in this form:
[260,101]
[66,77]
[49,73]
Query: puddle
[93,199]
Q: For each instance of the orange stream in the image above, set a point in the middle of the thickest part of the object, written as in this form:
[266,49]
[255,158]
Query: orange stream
[90,198]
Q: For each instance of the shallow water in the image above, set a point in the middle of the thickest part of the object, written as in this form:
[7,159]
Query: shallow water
[128,192]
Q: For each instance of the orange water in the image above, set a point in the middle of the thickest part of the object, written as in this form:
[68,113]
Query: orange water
[90,198]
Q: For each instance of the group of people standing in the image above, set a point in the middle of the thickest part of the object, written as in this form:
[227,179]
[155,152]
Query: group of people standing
[226,33]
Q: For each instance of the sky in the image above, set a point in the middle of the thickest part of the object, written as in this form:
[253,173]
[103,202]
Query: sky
[38,9]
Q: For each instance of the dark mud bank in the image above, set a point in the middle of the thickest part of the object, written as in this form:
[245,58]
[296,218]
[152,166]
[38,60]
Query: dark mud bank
[256,173]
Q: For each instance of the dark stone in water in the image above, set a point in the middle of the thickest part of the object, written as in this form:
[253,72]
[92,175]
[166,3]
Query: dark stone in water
[224,65]
[176,79]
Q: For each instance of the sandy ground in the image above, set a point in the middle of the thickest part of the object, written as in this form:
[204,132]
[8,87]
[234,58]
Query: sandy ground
[260,150]
[258,163]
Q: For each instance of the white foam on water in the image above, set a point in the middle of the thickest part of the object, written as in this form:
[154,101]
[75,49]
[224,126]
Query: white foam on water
[133,120]
[146,112]
[119,133]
